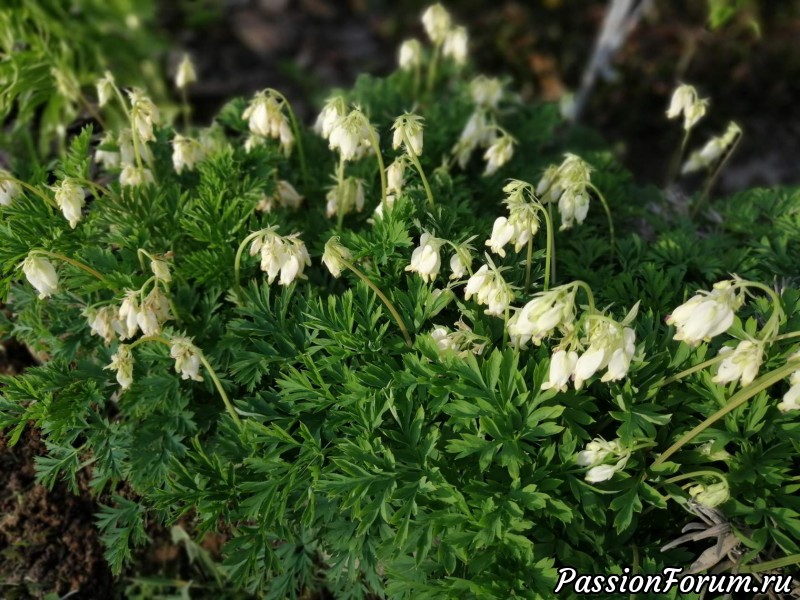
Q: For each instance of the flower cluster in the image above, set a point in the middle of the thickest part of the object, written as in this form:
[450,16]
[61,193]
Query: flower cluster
[597,453]
[686,101]
[266,119]
[451,39]
[706,314]
[490,289]
[286,256]
[461,341]
[482,130]
[70,199]
[522,222]
[568,185]
[345,196]
[710,154]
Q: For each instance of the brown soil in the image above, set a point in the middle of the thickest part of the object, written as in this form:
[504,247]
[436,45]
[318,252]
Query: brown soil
[48,541]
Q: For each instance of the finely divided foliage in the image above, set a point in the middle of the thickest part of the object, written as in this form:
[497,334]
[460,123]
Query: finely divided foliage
[445,377]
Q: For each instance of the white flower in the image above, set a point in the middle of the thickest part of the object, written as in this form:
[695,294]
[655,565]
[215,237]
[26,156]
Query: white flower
[187,358]
[395,175]
[160,269]
[129,315]
[286,256]
[134,176]
[186,74]
[486,91]
[455,45]
[611,346]
[408,133]
[686,101]
[186,153]
[600,473]
[9,189]
[334,109]
[573,206]
[740,364]
[714,149]
[105,88]
[346,196]
[426,260]
[127,150]
[460,263]
[437,22]
[285,195]
[502,233]
[103,323]
[489,288]
[562,365]
[498,154]
[443,338]
[265,118]
[70,198]
[597,451]
[410,55]
[144,114]
[335,256]
[351,135]
[791,399]
[40,273]
[122,363]
[297,259]
[541,316]
[706,314]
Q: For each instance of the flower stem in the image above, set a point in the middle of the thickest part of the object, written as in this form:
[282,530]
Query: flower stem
[690,371]
[238,260]
[376,145]
[437,50]
[213,374]
[589,295]
[528,261]
[702,472]
[73,262]
[737,400]
[418,166]
[551,236]
[772,325]
[383,298]
[606,208]
[550,250]
[706,193]
[340,200]
[296,129]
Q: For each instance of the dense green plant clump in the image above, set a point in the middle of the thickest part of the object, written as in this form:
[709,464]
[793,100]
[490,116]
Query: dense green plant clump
[428,354]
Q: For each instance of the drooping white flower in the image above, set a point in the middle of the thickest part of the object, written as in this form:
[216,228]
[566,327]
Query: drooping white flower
[129,315]
[573,206]
[408,133]
[70,199]
[122,363]
[346,197]
[40,273]
[395,176]
[144,114]
[562,365]
[127,150]
[706,314]
[596,453]
[286,256]
[611,346]
[105,88]
[540,317]
[426,258]
[437,23]
[335,256]
[334,109]
[187,358]
[713,151]
[741,363]
[285,196]
[455,45]
[498,154]
[186,74]
[153,312]
[791,399]
[265,118]
[490,289]
[351,135]
[477,132]
[103,323]
[443,338]
[685,101]
[9,189]
[410,55]
[486,91]
[133,176]
[186,153]
[502,232]
[460,262]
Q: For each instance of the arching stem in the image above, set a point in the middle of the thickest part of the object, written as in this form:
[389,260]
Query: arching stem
[606,208]
[417,165]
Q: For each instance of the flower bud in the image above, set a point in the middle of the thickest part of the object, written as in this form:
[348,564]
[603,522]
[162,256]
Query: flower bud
[437,22]
[70,198]
[144,115]
[186,74]
[40,273]
[335,256]
[498,154]
[686,101]
[712,495]
[455,45]
[410,55]
[105,88]
[408,132]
